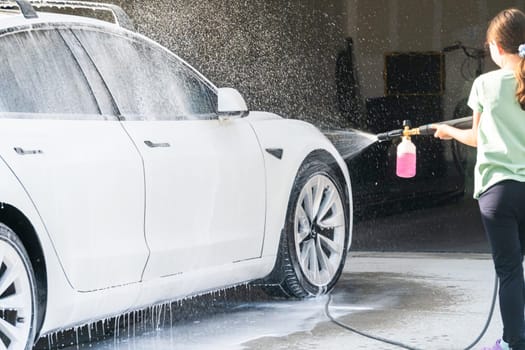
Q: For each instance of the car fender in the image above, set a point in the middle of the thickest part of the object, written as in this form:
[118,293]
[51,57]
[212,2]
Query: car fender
[13,194]
[297,140]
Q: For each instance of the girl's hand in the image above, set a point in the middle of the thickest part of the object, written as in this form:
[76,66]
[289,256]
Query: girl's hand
[442,131]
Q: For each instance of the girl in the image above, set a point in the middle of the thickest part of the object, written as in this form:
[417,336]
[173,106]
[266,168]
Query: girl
[498,131]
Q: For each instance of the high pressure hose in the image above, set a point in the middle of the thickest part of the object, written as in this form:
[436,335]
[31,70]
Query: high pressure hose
[406,132]
[402,345]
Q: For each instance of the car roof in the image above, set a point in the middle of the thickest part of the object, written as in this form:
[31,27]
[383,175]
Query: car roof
[13,21]
[4,12]
[34,8]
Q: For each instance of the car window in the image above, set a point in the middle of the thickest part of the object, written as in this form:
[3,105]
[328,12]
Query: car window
[39,74]
[147,81]
[104,99]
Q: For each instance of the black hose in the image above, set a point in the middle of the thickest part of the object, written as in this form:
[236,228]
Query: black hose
[405,346]
[461,123]
[367,335]
[494,295]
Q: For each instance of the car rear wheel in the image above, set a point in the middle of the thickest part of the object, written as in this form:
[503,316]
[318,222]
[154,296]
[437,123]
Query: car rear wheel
[17,294]
[313,244]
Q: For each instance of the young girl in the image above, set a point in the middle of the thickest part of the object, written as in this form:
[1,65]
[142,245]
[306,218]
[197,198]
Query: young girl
[498,131]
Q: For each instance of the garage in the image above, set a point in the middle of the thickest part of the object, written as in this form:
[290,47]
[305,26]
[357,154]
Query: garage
[281,199]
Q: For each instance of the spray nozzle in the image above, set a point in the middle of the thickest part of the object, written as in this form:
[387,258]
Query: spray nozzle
[407,131]
[389,135]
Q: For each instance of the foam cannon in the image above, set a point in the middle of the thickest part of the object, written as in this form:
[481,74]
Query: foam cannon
[406,150]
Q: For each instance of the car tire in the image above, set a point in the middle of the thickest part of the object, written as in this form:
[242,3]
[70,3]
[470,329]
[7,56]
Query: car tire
[313,245]
[18,306]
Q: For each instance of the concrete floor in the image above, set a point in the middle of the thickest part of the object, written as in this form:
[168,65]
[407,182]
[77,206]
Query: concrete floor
[426,300]
[455,227]
[430,287]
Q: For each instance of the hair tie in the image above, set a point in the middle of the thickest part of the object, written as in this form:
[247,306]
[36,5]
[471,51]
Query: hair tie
[521,50]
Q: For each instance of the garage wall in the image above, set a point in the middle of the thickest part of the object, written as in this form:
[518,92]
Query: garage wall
[381,26]
[280,54]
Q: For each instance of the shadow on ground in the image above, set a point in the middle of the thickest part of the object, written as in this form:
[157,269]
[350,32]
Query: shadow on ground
[453,227]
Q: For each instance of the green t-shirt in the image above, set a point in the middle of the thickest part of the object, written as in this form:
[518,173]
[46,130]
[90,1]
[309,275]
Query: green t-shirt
[501,132]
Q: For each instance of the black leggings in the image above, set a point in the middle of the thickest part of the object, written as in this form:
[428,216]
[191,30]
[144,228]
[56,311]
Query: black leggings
[502,209]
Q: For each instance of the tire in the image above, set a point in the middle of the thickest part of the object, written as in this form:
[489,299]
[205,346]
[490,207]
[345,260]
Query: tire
[18,306]
[313,245]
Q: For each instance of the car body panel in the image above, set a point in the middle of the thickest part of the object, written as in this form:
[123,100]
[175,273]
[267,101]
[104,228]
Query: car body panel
[83,188]
[66,306]
[298,140]
[301,140]
[205,193]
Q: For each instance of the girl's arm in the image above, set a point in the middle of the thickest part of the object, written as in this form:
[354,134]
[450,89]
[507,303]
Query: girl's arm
[467,136]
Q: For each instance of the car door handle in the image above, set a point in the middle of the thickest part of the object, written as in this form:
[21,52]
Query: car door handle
[155,145]
[24,152]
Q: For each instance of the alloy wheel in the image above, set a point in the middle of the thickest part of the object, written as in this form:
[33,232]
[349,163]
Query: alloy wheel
[319,230]
[16,302]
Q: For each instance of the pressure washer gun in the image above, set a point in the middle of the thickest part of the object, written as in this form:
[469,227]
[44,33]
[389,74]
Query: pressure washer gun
[406,150]
[407,131]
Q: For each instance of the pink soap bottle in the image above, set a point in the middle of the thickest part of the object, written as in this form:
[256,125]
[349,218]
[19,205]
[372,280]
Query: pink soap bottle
[406,157]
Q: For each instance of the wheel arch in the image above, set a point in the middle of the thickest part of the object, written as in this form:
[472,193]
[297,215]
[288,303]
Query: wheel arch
[274,283]
[20,224]
[329,159]
[300,142]
[326,157]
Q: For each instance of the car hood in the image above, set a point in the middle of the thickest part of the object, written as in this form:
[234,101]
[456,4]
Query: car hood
[256,116]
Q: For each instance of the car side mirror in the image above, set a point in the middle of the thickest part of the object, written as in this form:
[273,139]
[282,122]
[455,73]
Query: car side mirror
[231,104]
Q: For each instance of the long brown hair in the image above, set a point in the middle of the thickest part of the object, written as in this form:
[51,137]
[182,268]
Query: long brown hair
[508,30]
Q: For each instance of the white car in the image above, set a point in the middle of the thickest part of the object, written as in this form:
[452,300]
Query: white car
[129,179]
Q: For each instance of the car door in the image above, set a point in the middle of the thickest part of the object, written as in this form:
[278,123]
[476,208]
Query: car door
[205,185]
[75,161]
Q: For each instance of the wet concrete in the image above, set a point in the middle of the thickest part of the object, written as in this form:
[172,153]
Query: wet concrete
[394,285]
[428,300]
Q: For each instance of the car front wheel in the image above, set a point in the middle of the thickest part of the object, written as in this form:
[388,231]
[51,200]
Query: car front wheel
[17,294]
[313,244]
